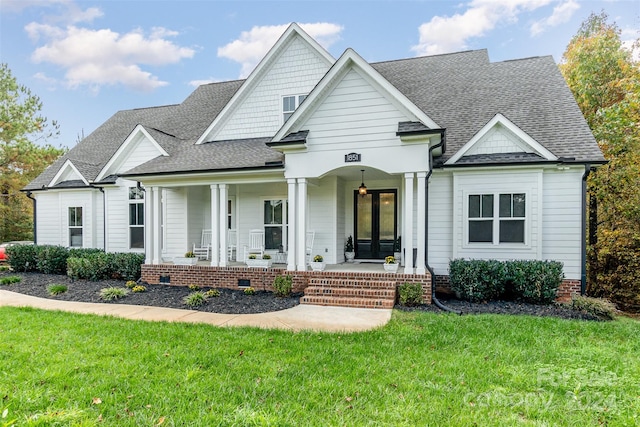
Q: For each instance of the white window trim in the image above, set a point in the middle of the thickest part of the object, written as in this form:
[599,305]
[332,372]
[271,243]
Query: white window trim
[144,231]
[285,222]
[82,227]
[496,220]
[298,102]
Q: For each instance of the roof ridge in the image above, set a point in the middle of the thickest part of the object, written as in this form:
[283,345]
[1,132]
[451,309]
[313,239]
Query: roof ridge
[430,56]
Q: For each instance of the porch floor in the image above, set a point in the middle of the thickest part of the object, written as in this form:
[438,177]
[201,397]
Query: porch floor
[373,266]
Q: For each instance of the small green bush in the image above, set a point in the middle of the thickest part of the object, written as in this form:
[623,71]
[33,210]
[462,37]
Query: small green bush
[10,280]
[534,282]
[410,294]
[598,307]
[283,285]
[127,265]
[4,268]
[212,293]
[56,289]
[97,265]
[22,257]
[113,293]
[477,280]
[195,299]
[78,268]
[249,291]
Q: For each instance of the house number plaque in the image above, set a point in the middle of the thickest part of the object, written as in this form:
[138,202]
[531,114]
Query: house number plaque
[352,157]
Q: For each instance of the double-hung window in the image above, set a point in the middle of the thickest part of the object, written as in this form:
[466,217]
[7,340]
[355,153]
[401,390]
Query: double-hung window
[497,218]
[136,218]
[275,224]
[75,226]
[289,105]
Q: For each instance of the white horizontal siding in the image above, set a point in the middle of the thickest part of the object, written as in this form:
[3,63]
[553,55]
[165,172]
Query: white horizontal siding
[562,219]
[176,242]
[118,216]
[440,218]
[48,218]
[295,71]
[322,219]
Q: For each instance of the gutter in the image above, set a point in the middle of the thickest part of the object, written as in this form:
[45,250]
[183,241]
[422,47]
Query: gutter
[35,226]
[436,301]
[104,217]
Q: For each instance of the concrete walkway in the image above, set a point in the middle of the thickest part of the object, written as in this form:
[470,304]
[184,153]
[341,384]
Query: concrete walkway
[301,317]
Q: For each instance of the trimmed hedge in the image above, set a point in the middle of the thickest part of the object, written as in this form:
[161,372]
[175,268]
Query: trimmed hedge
[534,282]
[77,263]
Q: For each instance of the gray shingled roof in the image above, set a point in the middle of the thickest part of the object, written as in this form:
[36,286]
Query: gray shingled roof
[461,92]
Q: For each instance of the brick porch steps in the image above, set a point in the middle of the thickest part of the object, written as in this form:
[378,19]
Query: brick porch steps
[350,293]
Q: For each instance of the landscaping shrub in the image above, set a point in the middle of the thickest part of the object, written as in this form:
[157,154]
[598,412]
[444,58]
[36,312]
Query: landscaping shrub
[283,285]
[598,307]
[138,288]
[51,259]
[127,265]
[249,291]
[22,257]
[83,252]
[534,282]
[9,280]
[100,265]
[529,281]
[410,294]
[78,268]
[212,293]
[195,299]
[477,280]
[56,289]
[113,293]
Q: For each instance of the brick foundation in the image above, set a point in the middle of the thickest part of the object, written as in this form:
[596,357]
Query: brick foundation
[262,278]
[567,289]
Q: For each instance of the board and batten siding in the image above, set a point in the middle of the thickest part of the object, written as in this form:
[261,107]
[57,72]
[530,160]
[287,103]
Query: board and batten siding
[52,216]
[175,240]
[118,216]
[295,72]
[322,217]
[562,219]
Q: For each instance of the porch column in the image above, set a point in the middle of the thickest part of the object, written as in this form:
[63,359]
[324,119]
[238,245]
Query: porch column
[223,224]
[291,232]
[148,226]
[421,267]
[408,223]
[302,225]
[157,211]
[215,241]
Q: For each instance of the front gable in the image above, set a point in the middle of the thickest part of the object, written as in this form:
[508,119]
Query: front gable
[138,148]
[293,66]
[501,136]
[67,173]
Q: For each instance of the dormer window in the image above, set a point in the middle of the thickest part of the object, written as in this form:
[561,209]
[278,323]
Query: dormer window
[289,105]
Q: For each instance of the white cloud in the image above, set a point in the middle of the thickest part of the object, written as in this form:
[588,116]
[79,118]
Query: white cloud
[561,14]
[103,57]
[252,45]
[196,83]
[450,33]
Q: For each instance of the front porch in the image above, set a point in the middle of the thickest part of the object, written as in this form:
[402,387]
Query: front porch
[364,285]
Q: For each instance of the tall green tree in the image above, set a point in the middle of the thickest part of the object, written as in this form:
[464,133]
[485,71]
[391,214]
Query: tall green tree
[605,81]
[21,158]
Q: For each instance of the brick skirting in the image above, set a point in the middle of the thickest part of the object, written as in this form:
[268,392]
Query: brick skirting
[567,289]
[262,278]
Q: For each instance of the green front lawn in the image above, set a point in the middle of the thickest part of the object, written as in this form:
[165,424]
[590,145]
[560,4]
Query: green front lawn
[421,369]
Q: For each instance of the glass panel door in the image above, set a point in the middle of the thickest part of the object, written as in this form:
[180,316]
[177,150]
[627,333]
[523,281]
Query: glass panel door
[375,223]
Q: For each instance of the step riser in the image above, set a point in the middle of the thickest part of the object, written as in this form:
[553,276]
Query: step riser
[358,284]
[348,292]
[347,302]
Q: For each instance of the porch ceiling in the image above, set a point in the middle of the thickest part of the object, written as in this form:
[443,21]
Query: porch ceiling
[353,173]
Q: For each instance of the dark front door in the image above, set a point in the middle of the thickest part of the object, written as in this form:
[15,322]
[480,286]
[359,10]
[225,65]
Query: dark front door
[375,223]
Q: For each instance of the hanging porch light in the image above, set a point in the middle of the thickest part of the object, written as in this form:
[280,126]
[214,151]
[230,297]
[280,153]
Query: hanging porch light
[362,190]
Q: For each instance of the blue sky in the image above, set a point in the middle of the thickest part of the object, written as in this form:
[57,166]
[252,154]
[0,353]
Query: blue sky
[88,59]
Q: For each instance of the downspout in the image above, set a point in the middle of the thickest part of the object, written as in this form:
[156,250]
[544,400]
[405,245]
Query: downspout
[35,226]
[583,275]
[435,299]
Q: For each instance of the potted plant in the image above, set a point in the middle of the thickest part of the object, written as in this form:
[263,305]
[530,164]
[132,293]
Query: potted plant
[189,258]
[390,265]
[397,249]
[349,253]
[254,261]
[318,263]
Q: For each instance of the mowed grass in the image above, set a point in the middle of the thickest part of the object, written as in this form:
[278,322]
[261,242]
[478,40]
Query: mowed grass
[421,369]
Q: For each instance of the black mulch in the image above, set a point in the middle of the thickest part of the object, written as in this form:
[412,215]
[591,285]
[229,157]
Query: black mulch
[236,302]
[229,301]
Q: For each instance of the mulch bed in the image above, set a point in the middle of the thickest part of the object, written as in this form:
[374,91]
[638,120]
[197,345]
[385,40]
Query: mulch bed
[229,301]
[236,302]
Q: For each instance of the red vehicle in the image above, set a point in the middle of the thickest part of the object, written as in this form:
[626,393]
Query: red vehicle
[4,246]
